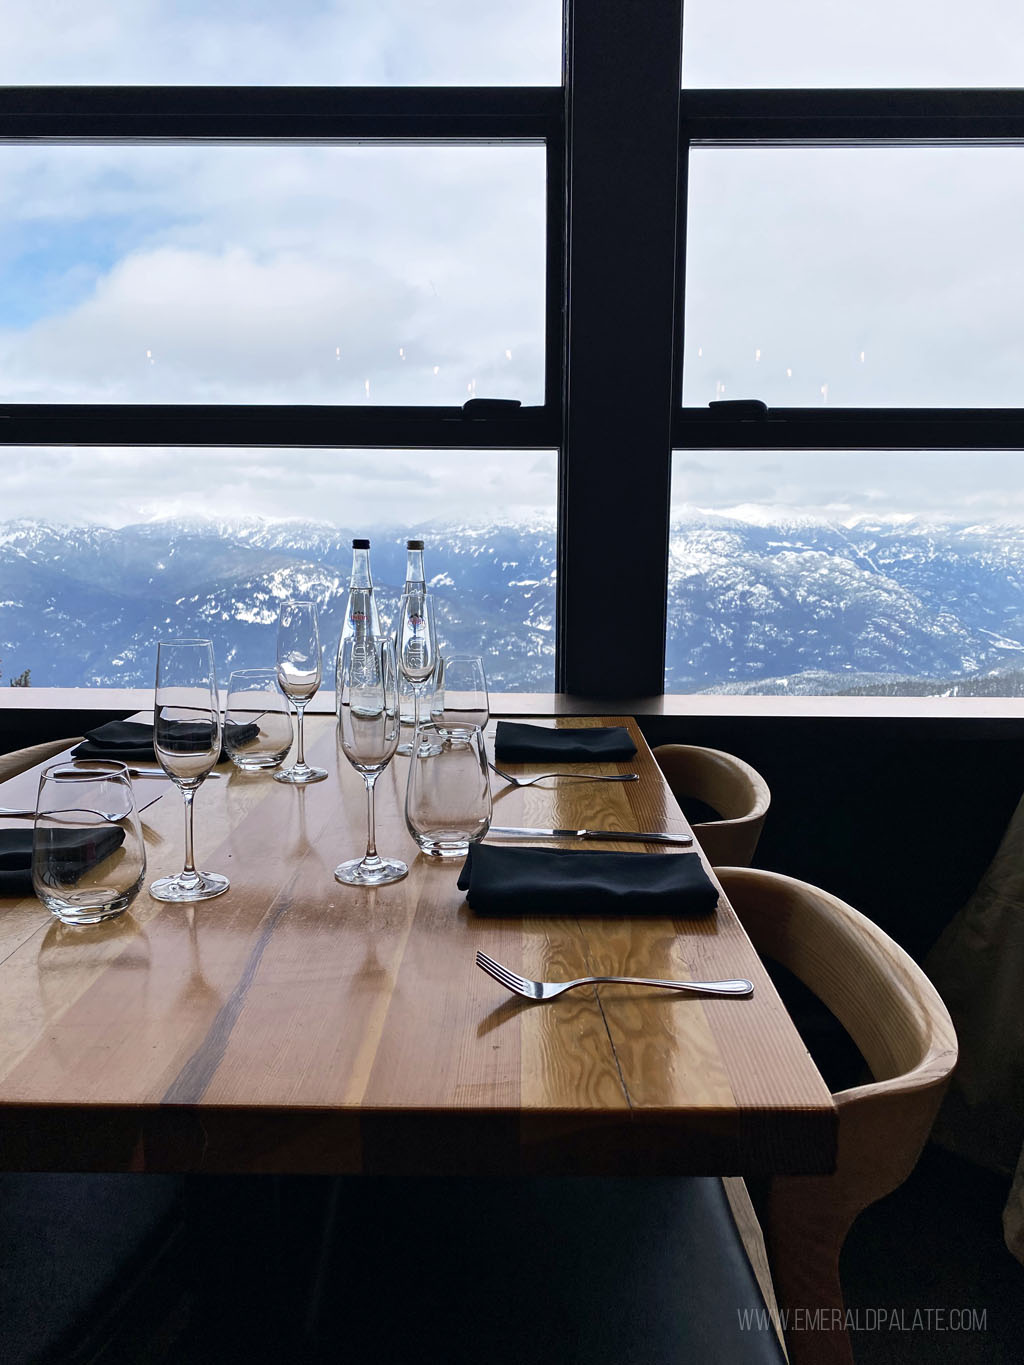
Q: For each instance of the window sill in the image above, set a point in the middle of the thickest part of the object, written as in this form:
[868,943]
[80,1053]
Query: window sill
[71,699]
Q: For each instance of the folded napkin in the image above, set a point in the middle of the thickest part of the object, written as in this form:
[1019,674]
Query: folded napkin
[560,881]
[79,851]
[517,743]
[131,741]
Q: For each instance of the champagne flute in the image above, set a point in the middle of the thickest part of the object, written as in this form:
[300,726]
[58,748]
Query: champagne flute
[416,643]
[186,740]
[368,728]
[299,672]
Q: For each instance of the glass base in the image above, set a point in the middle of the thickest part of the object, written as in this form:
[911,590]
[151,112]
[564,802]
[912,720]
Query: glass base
[444,848]
[405,749]
[69,913]
[370,872]
[299,774]
[189,886]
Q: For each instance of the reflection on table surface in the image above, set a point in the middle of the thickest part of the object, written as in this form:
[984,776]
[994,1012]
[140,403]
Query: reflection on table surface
[296,1024]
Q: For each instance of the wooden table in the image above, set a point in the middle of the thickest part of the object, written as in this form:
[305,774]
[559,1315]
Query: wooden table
[297,1025]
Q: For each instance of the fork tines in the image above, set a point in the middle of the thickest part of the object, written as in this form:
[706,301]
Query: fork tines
[501,974]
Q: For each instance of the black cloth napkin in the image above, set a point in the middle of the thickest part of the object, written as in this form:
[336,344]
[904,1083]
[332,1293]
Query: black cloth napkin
[79,850]
[518,743]
[131,741]
[562,881]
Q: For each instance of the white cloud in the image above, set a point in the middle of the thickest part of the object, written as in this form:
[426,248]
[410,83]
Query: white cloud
[349,488]
[264,42]
[852,43]
[837,484]
[290,275]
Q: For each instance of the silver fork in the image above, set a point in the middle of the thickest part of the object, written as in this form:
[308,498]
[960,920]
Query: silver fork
[547,990]
[574,777]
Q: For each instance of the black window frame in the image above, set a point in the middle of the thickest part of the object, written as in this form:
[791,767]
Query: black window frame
[842,118]
[617,135]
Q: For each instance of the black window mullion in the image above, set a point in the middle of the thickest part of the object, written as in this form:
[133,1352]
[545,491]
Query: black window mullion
[731,117]
[849,429]
[226,113]
[253,425]
[623,154]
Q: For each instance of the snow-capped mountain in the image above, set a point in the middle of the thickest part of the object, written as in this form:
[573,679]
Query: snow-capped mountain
[85,606]
[757,602]
[820,607]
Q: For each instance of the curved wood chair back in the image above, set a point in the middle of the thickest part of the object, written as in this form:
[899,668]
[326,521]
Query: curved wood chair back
[733,788]
[903,1030]
[19,760]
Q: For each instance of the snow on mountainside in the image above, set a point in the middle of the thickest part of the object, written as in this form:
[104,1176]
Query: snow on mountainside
[759,600]
[818,607]
[86,605]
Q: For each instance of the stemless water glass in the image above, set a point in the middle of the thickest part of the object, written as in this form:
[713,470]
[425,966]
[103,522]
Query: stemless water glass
[448,797]
[88,855]
[368,726]
[257,720]
[300,672]
[460,692]
[416,643]
[186,739]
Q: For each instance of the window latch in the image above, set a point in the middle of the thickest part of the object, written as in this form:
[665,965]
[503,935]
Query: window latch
[490,407]
[752,409]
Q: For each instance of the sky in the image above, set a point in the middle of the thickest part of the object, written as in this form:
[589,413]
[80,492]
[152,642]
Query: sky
[837,276]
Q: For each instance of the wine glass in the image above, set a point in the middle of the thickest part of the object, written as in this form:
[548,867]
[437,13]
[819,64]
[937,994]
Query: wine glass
[416,643]
[299,672]
[186,739]
[368,727]
[460,692]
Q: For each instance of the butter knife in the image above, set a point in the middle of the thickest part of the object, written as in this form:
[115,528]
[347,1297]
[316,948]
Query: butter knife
[617,835]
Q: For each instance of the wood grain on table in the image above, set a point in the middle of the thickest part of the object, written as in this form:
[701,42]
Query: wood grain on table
[295,1024]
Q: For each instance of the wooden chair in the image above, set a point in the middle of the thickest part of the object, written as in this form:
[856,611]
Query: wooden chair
[702,777]
[898,1021]
[21,759]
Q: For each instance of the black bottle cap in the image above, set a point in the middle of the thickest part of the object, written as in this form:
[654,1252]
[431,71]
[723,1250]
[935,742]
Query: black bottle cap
[360,545]
[414,544]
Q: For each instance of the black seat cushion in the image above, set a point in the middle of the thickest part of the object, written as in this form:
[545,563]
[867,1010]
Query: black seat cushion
[623,1271]
[69,1247]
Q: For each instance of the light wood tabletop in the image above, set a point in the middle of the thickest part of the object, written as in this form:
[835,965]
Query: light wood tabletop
[298,1025]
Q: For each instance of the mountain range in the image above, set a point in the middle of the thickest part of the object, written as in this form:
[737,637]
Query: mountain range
[755,604]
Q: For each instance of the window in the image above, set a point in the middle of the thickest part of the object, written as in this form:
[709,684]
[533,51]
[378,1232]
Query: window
[682,220]
[272,274]
[794,44]
[845,496]
[261,42]
[800,573]
[142,544]
[239,322]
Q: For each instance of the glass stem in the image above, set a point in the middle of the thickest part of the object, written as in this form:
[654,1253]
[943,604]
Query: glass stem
[371,832]
[300,758]
[188,793]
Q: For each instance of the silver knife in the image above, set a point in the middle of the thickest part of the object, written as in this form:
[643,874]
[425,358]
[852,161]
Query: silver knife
[28,812]
[159,772]
[640,836]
